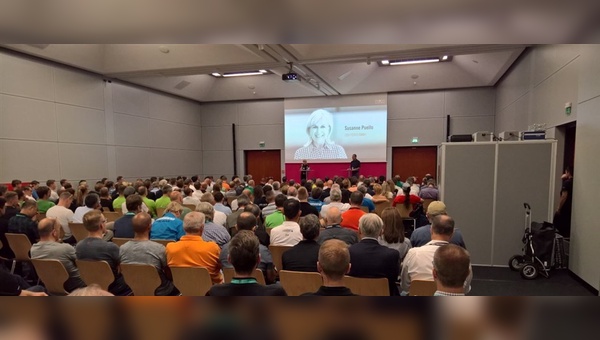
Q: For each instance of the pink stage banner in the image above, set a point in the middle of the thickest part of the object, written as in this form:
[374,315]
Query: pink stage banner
[321,170]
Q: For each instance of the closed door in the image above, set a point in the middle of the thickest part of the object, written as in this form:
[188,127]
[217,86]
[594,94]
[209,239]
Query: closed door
[263,164]
[414,161]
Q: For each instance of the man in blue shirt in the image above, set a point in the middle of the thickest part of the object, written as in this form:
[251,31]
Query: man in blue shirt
[169,227]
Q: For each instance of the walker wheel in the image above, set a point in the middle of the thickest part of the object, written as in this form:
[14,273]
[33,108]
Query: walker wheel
[530,271]
[516,262]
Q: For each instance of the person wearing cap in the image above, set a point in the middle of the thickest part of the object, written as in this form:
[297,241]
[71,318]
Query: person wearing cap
[422,235]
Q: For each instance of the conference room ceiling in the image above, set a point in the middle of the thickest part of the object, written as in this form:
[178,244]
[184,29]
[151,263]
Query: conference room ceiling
[332,69]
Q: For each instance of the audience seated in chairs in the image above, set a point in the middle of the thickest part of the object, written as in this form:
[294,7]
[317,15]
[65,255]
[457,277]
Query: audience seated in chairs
[247,221]
[333,230]
[276,218]
[49,248]
[451,268]
[192,250]
[333,264]
[303,256]
[140,250]
[370,259]
[354,213]
[219,217]
[94,248]
[418,263]
[393,232]
[169,226]
[244,255]
[124,225]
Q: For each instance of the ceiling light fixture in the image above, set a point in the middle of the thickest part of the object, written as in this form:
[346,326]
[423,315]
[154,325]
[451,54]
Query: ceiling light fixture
[445,57]
[415,61]
[239,74]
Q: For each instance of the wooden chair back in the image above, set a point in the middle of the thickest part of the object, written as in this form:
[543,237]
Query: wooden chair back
[118,210]
[426,203]
[379,206]
[20,245]
[112,216]
[120,240]
[404,211]
[228,274]
[97,272]
[365,209]
[191,281]
[192,207]
[160,212]
[298,283]
[53,274]
[422,288]
[163,242]
[78,231]
[143,279]
[277,254]
[367,286]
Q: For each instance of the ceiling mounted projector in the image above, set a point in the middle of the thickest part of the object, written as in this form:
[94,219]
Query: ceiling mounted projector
[291,76]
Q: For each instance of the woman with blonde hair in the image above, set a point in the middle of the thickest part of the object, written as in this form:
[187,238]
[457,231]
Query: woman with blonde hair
[379,197]
[393,232]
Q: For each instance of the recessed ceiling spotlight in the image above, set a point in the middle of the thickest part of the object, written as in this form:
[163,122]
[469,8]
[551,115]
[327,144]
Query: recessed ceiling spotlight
[445,57]
[164,49]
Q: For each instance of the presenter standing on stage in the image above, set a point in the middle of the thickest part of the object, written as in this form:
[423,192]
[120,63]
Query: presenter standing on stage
[354,166]
[304,168]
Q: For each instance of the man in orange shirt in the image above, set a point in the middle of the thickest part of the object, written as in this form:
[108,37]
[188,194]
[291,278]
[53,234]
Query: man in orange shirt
[192,251]
[351,216]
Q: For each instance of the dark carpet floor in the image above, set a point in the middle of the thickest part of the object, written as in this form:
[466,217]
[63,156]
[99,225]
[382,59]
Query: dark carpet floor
[501,281]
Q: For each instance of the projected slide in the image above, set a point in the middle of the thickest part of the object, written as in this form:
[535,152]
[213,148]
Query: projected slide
[333,134]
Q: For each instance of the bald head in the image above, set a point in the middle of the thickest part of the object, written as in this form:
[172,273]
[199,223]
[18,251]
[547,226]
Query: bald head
[46,227]
[141,222]
[334,216]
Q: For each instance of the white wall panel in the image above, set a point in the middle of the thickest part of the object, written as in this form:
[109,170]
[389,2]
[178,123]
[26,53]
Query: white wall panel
[589,72]
[80,125]
[27,160]
[24,118]
[217,138]
[131,100]
[515,117]
[248,137]
[469,125]
[549,97]
[549,59]
[220,114]
[515,84]
[26,78]
[470,102]
[133,162]
[261,112]
[430,131]
[416,104]
[176,110]
[217,163]
[83,160]
[77,88]
[132,130]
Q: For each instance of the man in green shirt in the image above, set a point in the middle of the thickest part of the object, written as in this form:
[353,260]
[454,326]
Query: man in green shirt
[43,204]
[118,202]
[276,218]
[165,199]
[143,191]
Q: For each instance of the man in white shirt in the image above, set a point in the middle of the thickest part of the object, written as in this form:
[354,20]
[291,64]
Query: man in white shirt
[219,217]
[335,197]
[53,194]
[92,202]
[190,198]
[418,263]
[63,214]
[288,234]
